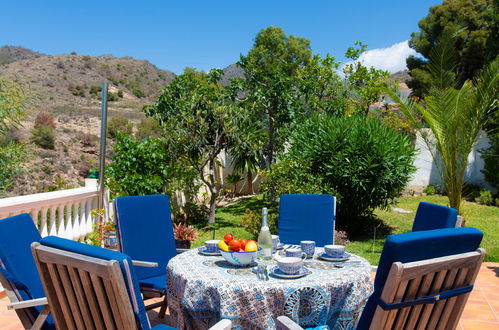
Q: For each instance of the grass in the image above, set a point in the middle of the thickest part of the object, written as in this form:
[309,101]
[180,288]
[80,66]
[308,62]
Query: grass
[485,218]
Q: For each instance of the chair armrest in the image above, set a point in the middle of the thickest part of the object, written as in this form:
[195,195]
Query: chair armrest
[179,251]
[222,325]
[27,303]
[285,323]
[139,263]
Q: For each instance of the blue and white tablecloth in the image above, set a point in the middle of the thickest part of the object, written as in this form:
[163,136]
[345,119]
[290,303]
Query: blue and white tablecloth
[202,290]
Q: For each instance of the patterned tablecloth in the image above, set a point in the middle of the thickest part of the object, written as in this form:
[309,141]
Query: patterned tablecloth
[202,290]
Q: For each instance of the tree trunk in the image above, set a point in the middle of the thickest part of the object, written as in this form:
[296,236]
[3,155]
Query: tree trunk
[213,192]
[250,182]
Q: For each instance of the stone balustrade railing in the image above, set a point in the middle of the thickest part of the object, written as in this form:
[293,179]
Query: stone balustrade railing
[63,213]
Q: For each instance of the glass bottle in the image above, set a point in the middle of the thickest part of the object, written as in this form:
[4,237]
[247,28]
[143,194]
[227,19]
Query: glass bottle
[265,238]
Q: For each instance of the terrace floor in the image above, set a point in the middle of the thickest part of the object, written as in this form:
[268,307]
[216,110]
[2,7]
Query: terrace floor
[481,311]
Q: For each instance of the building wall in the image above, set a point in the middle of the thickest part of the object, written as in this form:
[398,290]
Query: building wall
[427,171]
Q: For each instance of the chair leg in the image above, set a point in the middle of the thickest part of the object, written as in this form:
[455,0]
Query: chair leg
[162,311]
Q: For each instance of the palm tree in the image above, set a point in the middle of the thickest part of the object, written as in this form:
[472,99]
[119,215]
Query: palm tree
[455,114]
[248,150]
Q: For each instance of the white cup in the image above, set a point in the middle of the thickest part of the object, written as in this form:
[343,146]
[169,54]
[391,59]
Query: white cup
[335,251]
[211,245]
[290,265]
[275,242]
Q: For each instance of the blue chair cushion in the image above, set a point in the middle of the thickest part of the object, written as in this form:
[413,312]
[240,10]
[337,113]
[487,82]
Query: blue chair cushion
[416,246]
[433,216]
[125,264]
[162,327]
[16,235]
[306,217]
[146,231]
[156,283]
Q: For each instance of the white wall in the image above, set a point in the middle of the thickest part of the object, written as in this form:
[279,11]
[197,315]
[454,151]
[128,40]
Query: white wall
[427,172]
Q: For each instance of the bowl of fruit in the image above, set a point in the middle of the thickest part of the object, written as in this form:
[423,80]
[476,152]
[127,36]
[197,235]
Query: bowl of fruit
[238,252]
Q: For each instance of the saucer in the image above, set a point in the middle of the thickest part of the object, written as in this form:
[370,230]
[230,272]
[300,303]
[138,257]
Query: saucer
[203,251]
[324,256]
[275,271]
[280,246]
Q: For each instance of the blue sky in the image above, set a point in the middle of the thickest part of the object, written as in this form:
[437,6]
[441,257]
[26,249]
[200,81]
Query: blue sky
[207,34]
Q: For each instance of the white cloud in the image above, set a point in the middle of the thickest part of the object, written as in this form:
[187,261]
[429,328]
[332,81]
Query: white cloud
[391,59]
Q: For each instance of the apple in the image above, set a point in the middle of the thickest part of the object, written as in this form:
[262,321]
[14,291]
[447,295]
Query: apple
[228,238]
[235,245]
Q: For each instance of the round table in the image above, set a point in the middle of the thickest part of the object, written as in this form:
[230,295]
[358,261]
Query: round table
[204,289]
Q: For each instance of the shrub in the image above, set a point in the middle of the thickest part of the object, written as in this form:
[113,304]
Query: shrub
[485,198]
[85,169]
[95,89]
[45,119]
[251,221]
[43,136]
[112,97]
[490,157]
[89,140]
[193,213]
[138,92]
[364,163]
[430,190]
[340,237]
[78,91]
[120,93]
[118,124]
[148,128]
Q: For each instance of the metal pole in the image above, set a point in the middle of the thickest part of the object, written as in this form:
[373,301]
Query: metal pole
[102,156]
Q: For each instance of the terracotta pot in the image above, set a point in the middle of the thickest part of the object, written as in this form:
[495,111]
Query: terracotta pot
[182,244]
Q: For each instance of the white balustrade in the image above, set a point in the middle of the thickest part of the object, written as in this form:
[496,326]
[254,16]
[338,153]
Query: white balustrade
[63,213]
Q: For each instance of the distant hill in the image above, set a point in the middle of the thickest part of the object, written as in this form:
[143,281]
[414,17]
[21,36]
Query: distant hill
[10,54]
[61,80]
[401,76]
[232,71]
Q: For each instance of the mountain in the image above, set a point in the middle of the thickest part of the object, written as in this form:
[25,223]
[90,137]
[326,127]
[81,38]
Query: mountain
[67,87]
[10,54]
[232,71]
[401,76]
[61,80]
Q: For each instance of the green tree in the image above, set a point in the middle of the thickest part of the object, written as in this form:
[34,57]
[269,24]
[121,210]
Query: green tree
[13,104]
[197,123]
[454,112]
[475,46]
[271,69]
[145,167]
[321,88]
[365,84]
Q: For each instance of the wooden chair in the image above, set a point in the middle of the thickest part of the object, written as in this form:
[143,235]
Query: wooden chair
[91,288]
[423,280]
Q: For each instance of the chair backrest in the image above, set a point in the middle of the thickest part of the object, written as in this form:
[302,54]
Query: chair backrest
[89,287]
[413,247]
[18,273]
[433,216]
[145,231]
[408,282]
[307,217]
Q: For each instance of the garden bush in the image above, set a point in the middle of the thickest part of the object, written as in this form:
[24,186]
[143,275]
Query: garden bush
[491,161]
[362,162]
[430,190]
[193,214]
[118,124]
[148,128]
[485,198]
[251,221]
[43,136]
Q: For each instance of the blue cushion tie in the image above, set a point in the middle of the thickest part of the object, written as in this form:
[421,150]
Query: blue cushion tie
[426,300]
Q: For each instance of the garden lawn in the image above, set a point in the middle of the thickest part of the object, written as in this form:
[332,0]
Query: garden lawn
[485,218]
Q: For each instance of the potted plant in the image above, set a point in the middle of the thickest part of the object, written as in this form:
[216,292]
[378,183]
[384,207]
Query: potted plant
[184,234]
